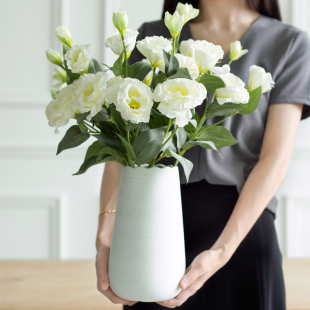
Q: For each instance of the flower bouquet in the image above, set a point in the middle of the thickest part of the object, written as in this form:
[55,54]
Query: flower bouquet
[139,114]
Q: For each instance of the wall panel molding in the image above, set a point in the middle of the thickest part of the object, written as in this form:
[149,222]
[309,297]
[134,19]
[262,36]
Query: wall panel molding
[52,204]
[297,231]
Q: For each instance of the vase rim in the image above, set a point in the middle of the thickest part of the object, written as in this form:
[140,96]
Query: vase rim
[159,167]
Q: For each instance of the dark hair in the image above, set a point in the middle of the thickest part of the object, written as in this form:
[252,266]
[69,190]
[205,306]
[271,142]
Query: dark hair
[265,7]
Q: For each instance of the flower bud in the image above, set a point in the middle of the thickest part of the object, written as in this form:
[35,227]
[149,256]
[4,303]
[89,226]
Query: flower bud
[54,57]
[120,21]
[64,35]
[259,77]
[60,77]
[187,11]
[174,23]
[236,51]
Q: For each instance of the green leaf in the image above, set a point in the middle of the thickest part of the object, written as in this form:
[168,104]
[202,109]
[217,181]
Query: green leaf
[109,140]
[167,57]
[108,151]
[91,161]
[106,127]
[131,126]
[94,66]
[80,117]
[94,149]
[205,144]
[169,144]
[65,49]
[127,148]
[186,164]
[219,135]
[140,70]
[148,144]
[54,93]
[159,119]
[181,136]
[173,66]
[251,106]
[120,122]
[211,82]
[191,126]
[117,66]
[181,73]
[83,127]
[127,69]
[73,138]
[160,78]
[216,109]
[102,115]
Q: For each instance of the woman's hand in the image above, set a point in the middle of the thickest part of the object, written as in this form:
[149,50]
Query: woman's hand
[198,272]
[103,284]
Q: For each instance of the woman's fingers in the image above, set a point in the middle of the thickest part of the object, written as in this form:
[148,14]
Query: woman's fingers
[196,269]
[185,294]
[103,283]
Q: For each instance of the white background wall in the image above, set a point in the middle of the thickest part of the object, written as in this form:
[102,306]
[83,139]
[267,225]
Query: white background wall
[45,212]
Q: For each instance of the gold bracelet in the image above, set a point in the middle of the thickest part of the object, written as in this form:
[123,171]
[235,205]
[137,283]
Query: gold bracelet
[109,211]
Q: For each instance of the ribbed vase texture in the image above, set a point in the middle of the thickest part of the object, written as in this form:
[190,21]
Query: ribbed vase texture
[147,255]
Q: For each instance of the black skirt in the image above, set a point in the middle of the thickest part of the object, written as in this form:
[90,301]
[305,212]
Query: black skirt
[253,278]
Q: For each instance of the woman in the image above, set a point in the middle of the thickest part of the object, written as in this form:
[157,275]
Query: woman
[232,254]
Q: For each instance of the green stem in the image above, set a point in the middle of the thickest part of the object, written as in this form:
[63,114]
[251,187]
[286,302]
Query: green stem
[137,131]
[193,136]
[160,157]
[114,122]
[125,56]
[173,46]
[153,79]
[230,61]
[91,128]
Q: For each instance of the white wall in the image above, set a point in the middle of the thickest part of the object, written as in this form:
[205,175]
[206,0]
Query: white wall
[45,212]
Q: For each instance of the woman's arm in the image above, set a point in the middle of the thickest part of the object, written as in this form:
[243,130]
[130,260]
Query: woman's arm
[261,185]
[108,200]
[266,177]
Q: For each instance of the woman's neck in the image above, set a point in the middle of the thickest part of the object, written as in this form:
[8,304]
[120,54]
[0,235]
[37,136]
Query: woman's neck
[224,14]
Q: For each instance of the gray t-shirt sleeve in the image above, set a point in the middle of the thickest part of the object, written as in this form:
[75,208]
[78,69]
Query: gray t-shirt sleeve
[292,84]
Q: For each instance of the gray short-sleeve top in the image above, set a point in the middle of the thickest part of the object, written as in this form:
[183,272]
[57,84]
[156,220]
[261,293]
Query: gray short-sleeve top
[281,49]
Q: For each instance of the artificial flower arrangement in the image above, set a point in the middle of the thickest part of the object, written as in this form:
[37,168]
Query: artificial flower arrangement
[144,112]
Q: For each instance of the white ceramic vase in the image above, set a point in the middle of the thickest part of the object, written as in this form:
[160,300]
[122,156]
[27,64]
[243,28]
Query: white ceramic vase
[147,255]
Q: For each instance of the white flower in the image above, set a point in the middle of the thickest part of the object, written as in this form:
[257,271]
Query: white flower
[187,11]
[177,97]
[90,93]
[174,23]
[185,62]
[60,110]
[149,77]
[234,91]
[152,49]
[259,77]
[114,80]
[78,58]
[187,47]
[64,35]
[132,98]
[236,50]
[206,55]
[116,44]
[120,21]
[220,70]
